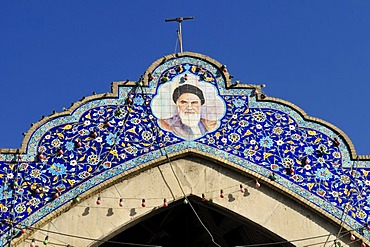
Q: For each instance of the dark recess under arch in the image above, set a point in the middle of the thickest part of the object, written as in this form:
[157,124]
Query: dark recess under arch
[177,225]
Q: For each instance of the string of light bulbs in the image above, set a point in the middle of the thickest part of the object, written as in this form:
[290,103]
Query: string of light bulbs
[34,240]
[230,189]
[45,242]
[304,239]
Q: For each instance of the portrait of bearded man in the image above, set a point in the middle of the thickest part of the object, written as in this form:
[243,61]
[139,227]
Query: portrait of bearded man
[188,122]
[188,106]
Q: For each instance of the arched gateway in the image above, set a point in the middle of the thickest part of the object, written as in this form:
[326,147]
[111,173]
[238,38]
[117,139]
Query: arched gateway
[184,157]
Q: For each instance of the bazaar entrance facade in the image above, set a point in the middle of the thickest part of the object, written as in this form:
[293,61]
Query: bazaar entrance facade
[184,157]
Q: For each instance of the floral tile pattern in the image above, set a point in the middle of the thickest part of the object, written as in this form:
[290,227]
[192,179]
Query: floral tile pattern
[103,138]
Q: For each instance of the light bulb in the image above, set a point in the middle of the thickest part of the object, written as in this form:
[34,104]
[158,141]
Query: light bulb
[258,184]
[46,241]
[33,244]
[222,194]
[203,197]
[241,189]
[352,237]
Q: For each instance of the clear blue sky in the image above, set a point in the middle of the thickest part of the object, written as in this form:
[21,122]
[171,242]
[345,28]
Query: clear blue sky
[315,54]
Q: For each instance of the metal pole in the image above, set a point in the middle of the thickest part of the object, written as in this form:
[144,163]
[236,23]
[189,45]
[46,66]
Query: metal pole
[179,32]
[180,36]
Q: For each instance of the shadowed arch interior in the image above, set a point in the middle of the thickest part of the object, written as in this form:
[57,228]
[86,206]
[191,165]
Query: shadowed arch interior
[178,225]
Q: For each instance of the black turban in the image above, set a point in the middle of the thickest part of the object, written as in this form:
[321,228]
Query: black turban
[188,88]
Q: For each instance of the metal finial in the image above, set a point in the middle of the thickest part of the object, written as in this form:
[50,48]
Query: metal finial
[179,32]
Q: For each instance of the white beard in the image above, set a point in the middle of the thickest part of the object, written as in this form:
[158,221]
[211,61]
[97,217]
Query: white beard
[189,118]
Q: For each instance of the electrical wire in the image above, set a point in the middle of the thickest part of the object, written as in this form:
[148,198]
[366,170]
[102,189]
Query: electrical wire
[51,243]
[191,206]
[92,239]
[13,195]
[145,245]
[178,181]
[345,211]
[177,42]
[297,240]
[335,240]
[341,225]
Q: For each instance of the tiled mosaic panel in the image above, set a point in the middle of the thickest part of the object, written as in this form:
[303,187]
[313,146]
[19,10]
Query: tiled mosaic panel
[105,138]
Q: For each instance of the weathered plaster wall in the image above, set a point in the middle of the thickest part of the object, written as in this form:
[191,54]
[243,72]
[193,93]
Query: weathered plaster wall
[263,205]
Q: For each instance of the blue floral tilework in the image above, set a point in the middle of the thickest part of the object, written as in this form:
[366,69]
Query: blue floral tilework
[104,138]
